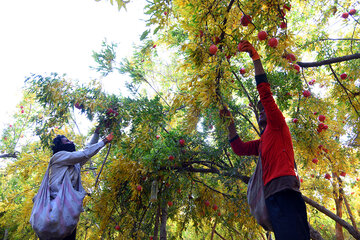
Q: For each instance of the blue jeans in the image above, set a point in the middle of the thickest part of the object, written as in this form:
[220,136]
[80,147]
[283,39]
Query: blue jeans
[288,217]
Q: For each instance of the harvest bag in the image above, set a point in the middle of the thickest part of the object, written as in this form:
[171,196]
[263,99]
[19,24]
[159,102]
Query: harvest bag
[57,218]
[256,198]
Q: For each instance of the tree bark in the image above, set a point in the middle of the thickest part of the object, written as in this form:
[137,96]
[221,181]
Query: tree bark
[6,234]
[339,234]
[347,226]
[164,216]
[157,220]
[329,61]
[351,216]
[315,235]
[8,155]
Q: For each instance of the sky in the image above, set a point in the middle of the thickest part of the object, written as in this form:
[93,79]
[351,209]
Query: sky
[44,36]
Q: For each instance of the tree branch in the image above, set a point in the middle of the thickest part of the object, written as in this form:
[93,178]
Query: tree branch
[102,166]
[228,158]
[247,119]
[143,78]
[244,89]
[315,235]
[212,189]
[219,235]
[205,163]
[9,155]
[351,216]
[329,61]
[345,89]
[213,231]
[333,216]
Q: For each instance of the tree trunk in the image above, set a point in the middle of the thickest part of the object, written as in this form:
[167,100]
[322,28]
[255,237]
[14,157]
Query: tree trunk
[5,234]
[157,219]
[164,215]
[338,228]
[351,216]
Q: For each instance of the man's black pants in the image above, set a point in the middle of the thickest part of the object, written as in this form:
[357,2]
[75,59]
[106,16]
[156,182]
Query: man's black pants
[288,217]
[71,237]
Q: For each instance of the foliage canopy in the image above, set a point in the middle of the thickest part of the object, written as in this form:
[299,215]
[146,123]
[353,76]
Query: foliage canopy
[198,188]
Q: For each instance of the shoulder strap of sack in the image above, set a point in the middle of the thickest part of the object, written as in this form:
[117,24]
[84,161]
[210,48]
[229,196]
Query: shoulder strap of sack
[44,186]
[46,180]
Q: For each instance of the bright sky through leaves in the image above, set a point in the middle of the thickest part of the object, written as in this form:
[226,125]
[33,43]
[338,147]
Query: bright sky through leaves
[59,36]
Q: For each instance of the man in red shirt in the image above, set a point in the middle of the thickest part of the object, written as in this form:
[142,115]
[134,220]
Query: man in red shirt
[286,207]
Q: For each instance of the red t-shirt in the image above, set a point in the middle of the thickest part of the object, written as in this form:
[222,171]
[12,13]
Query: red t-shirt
[277,154]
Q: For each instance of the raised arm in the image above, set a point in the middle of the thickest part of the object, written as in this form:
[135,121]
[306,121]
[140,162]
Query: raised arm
[238,146]
[94,140]
[275,118]
[95,137]
[72,158]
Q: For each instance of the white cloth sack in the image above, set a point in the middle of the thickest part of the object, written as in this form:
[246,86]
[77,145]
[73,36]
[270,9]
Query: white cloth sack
[256,198]
[57,218]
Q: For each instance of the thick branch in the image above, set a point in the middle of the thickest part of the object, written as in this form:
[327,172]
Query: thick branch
[314,235]
[329,61]
[351,216]
[8,155]
[333,216]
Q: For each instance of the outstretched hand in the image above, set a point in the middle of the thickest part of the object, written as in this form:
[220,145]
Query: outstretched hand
[225,113]
[109,137]
[245,46]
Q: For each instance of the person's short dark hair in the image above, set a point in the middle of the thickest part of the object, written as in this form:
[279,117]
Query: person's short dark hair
[57,144]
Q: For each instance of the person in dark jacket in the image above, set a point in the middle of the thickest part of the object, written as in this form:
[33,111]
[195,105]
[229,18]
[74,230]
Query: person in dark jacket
[283,198]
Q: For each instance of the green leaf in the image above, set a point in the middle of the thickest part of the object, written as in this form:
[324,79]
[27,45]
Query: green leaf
[144,34]
[156,30]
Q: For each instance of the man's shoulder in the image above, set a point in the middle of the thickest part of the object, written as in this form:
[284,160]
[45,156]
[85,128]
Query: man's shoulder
[61,155]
